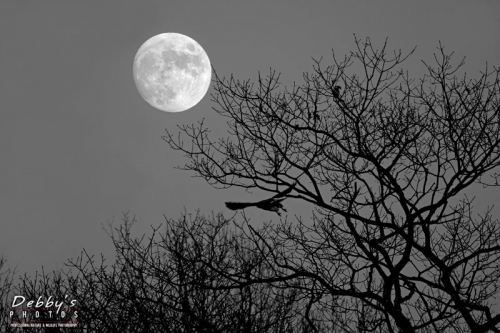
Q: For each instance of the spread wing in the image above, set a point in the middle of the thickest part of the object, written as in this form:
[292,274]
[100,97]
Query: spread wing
[268,203]
[273,203]
[239,205]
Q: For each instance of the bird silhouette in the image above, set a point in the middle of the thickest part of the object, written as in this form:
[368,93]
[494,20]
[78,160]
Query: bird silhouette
[272,204]
[336,91]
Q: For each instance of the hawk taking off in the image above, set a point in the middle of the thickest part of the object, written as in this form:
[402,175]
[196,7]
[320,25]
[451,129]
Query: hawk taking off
[272,204]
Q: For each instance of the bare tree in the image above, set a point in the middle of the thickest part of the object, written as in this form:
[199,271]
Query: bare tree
[6,286]
[156,284]
[167,283]
[393,243]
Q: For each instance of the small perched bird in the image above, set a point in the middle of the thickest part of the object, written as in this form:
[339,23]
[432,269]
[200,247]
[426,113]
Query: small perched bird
[336,91]
[272,204]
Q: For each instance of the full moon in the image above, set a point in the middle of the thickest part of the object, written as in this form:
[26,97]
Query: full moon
[172,72]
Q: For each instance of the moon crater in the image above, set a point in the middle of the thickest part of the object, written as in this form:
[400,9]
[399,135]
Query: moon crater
[172,72]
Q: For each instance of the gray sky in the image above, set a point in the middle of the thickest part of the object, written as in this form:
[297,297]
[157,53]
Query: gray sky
[78,145]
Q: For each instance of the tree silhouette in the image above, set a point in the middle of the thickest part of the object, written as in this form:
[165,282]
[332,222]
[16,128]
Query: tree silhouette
[384,160]
[155,286]
[6,281]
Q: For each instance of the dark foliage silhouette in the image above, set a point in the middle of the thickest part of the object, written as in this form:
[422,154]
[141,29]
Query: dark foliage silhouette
[152,287]
[394,243]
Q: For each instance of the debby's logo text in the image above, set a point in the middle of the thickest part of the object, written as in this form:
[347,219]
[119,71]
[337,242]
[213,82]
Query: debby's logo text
[43,312]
